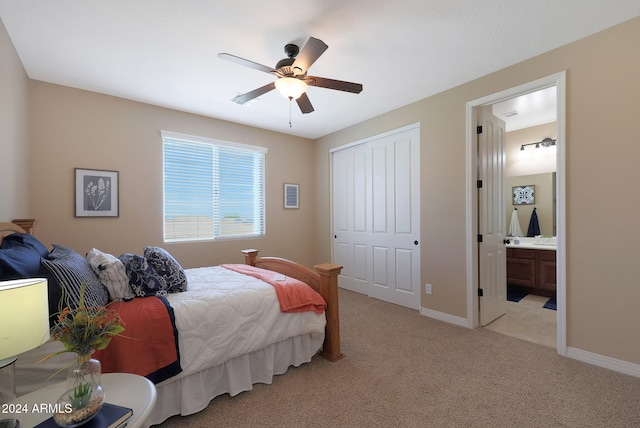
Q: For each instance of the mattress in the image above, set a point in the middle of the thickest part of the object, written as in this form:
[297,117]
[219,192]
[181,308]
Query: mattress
[224,314]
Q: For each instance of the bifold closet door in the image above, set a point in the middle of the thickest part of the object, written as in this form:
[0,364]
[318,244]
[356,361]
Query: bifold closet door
[376,217]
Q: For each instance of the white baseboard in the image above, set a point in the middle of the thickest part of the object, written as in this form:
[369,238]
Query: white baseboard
[452,319]
[605,362]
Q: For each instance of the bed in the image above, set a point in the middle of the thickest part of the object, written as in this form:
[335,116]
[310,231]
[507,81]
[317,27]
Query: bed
[264,341]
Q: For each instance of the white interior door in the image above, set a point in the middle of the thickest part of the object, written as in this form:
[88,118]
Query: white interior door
[492,253]
[376,216]
[351,218]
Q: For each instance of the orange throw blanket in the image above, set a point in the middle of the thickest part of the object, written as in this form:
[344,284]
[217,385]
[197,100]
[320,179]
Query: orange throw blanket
[149,344]
[293,295]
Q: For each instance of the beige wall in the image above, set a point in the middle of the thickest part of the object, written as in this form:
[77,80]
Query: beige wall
[71,128]
[602,151]
[14,171]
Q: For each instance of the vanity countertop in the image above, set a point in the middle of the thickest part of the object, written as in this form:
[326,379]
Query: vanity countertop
[533,244]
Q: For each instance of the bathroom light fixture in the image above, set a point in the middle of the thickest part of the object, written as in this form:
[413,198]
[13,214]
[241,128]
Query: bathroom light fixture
[547,142]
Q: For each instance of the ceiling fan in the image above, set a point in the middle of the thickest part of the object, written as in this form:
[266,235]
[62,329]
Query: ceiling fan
[291,72]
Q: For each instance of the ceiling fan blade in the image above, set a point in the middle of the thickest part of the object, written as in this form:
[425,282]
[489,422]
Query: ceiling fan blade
[304,103]
[245,62]
[338,85]
[310,52]
[243,98]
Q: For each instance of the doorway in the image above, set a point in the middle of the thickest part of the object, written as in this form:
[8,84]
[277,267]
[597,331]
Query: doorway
[556,81]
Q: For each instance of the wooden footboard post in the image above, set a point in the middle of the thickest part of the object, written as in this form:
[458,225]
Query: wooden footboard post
[329,290]
[250,257]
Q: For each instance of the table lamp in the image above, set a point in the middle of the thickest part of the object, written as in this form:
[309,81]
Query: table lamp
[24,324]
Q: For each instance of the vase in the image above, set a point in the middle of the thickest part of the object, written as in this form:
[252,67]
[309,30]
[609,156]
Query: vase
[85,370]
[78,405]
[84,396]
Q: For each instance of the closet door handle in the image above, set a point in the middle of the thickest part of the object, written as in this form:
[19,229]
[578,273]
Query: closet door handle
[415,242]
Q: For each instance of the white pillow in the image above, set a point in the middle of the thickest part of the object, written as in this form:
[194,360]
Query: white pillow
[112,274]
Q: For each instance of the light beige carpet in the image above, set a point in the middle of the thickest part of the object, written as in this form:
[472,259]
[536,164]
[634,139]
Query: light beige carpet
[403,369]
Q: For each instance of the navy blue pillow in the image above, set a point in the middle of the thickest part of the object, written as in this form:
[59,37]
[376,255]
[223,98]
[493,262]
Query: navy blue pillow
[167,267]
[25,240]
[144,281]
[70,271]
[20,256]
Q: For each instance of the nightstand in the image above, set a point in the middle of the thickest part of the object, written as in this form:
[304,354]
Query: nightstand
[124,389]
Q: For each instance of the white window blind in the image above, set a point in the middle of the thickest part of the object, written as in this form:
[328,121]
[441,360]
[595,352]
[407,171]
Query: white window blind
[212,189]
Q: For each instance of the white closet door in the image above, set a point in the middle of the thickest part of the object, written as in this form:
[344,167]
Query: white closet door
[351,225]
[376,217]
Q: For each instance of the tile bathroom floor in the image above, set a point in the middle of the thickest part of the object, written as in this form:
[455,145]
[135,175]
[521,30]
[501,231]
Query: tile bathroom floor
[528,320]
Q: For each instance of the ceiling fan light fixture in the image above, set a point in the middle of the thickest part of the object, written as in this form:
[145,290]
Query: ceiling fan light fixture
[290,87]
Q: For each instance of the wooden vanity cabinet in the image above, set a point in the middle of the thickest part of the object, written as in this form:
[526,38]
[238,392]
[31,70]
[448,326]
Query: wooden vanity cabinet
[532,270]
[546,269]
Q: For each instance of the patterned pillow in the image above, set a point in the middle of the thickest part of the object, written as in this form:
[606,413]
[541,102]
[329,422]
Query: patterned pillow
[167,267]
[71,272]
[142,278]
[112,274]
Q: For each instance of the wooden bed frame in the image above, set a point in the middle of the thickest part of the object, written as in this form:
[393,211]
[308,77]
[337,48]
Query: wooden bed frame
[324,280]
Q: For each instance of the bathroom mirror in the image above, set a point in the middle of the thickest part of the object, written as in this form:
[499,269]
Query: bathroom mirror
[545,202]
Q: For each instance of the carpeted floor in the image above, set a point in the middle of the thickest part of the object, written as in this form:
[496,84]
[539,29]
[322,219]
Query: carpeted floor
[403,369]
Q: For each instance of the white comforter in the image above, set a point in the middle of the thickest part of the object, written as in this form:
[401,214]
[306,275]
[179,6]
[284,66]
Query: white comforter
[224,314]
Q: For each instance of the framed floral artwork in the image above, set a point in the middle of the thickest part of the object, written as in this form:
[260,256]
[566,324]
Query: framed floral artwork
[96,193]
[291,196]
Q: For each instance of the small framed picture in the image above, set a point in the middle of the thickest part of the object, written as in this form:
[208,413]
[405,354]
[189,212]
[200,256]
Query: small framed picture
[96,193]
[291,196]
[524,195]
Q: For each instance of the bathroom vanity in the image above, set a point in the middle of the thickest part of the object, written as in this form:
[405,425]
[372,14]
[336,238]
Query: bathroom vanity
[531,268]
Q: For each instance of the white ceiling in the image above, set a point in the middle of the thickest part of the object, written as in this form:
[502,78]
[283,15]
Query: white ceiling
[164,52]
[527,110]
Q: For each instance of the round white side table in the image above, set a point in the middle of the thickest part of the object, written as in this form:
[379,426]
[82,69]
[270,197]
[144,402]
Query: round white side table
[124,389]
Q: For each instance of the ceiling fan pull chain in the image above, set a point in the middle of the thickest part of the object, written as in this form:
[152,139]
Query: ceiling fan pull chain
[290,101]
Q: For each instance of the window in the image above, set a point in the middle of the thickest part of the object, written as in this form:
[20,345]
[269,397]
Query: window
[212,189]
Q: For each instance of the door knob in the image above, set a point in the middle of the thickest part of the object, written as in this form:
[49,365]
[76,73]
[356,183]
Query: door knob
[506,241]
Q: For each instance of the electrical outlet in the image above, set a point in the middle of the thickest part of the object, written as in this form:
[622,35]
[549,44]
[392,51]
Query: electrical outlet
[427,288]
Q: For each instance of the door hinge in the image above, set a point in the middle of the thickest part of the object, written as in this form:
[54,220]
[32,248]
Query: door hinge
[480,292]
[479,238]
[479,129]
[479,184]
